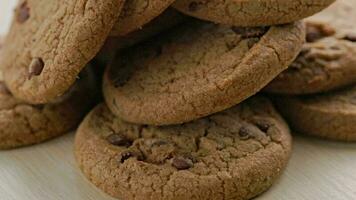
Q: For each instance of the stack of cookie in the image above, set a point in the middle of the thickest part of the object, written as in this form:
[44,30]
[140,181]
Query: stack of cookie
[180,117]
[321,95]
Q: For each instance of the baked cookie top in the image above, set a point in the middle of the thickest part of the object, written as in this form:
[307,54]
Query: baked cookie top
[235,154]
[51,41]
[251,12]
[327,61]
[23,124]
[197,69]
[137,13]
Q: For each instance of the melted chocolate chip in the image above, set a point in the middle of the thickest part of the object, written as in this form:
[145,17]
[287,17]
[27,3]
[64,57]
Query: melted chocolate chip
[4,89]
[131,153]
[124,156]
[350,37]
[262,125]
[182,163]
[35,68]
[318,31]
[250,32]
[118,140]
[23,12]
[244,133]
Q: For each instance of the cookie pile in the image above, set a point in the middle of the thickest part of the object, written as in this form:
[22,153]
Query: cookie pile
[180,117]
[319,86]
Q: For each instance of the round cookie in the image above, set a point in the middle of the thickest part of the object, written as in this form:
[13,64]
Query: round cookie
[137,13]
[235,154]
[51,41]
[23,124]
[328,60]
[197,69]
[251,12]
[330,115]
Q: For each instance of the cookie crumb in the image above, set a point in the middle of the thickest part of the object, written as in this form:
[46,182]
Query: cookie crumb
[35,68]
[182,163]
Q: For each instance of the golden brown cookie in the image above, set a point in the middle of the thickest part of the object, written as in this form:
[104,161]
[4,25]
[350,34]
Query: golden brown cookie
[51,41]
[328,59]
[235,154]
[197,69]
[137,13]
[23,124]
[330,115]
[251,12]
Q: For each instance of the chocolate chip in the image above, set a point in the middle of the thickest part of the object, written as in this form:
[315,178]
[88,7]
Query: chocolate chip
[182,163]
[23,12]
[124,156]
[193,6]
[318,31]
[129,154]
[244,133]
[250,32]
[4,89]
[350,37]
[35,68]
[118,140]
[262,125]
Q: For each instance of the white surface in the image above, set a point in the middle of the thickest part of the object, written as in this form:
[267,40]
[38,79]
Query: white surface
[318,169]
[6,10]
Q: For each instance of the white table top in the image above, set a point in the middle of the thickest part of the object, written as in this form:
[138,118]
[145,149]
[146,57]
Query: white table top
[318,169]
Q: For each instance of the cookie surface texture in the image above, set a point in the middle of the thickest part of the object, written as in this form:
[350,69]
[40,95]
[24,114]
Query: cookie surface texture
[137,13]
[330,115]
[327,61]
[236,154]
[23,124]
[51,41]
[251,12]
[197,69]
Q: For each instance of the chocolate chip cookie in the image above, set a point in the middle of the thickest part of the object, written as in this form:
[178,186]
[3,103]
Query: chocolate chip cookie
[235,154]
[51,41]
[251,12]
[24,124]
[137,13]
[328,60]
[330,115]
[197,69]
